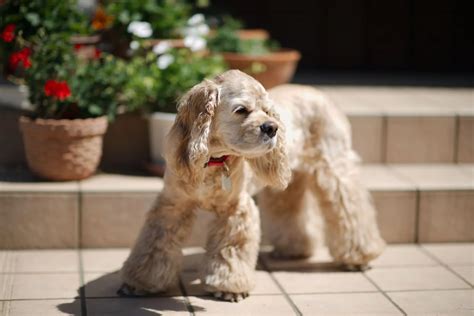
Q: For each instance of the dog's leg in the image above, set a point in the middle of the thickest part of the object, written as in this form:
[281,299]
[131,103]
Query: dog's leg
[352,233]
[232,250]
[154,262]
[291,232]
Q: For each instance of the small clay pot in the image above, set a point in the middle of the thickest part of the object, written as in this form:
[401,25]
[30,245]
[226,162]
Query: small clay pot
[63,149]
[277,67]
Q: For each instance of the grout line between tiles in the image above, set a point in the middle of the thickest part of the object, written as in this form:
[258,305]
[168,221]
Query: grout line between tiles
[417,215]
[384,294]
[446,266]
[82,289]
[285,294]
[384,146]
[189,306]
[79,224]
[457,122]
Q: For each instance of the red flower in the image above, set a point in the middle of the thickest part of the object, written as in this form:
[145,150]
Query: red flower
[8,33]
[57,89]
[77,46]
[22,56]
[97,53]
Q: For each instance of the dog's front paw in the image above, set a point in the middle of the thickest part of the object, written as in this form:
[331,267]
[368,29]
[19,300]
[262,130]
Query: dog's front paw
[231,297]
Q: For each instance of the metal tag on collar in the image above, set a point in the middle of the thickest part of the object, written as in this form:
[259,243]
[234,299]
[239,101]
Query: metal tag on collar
[226,183]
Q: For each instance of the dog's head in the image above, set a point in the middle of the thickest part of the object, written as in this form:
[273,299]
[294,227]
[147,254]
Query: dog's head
[230,115]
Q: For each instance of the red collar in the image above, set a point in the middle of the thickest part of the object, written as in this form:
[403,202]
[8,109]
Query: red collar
[216,162]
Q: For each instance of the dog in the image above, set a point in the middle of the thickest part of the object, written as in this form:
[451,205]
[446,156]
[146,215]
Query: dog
[231,140]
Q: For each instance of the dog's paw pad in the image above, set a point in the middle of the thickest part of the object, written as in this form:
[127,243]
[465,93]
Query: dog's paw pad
[230,297]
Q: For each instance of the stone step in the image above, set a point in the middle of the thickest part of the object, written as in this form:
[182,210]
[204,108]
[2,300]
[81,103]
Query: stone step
[409,124]
[389,124]
[415,203]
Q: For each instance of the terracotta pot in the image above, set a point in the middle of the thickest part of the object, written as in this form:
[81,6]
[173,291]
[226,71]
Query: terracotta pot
[63,149]
[278,67]
[253,34]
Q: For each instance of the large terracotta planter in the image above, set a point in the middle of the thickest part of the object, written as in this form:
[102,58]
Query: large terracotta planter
[63,149]
[278,67]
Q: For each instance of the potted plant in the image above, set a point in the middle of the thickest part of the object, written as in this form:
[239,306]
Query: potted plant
[72,101]
[23,23]
[155,82]
[148,21]
[253,53]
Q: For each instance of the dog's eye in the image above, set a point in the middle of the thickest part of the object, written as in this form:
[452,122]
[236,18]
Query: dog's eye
[241,110]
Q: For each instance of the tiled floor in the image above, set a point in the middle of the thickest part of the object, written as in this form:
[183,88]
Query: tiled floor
[429,279]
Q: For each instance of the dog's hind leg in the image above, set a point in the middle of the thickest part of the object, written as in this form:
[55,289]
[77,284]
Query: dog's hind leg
[352,233]
[232,250]
[290,228]
[154,262]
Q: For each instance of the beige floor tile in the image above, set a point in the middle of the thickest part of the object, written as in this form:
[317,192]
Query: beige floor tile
[415,278]
[5,260]
[436,176]
[428,139]
[38,220]
[103,260]
[34,185]
[396,215]
[121,183]
[6,286]
[460,302]
[44,307]
[44,261]
[465,145]
[323,282]
[403,255]
[452,253]
[446,216]
[38,286]
[380,178]
[466,272]
[263,284]
[113,219]
[107,284]
[345,304]
[137,306]
[321,260]
[253,305]
[367,137]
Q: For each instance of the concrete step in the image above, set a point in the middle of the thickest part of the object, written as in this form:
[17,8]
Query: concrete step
[409,124]
[389,124]
[416,203]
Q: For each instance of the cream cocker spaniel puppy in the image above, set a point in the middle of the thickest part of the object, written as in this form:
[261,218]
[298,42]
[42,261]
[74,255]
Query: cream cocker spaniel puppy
[231,139]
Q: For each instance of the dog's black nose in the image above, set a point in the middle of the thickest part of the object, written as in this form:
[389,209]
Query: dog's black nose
[269,128]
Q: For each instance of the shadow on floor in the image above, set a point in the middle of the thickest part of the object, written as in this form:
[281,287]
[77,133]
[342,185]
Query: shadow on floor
[103,300]
[99,293]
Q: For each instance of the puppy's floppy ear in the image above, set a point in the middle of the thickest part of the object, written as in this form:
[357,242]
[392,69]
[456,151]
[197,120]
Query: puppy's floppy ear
[186,145]
[273,168]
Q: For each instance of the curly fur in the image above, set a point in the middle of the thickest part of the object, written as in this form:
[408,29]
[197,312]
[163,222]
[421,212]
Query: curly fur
[310,152]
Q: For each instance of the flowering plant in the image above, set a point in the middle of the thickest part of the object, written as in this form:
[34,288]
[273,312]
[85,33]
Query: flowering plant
[157,79]
[25,23]
[149,18]
[61,85]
